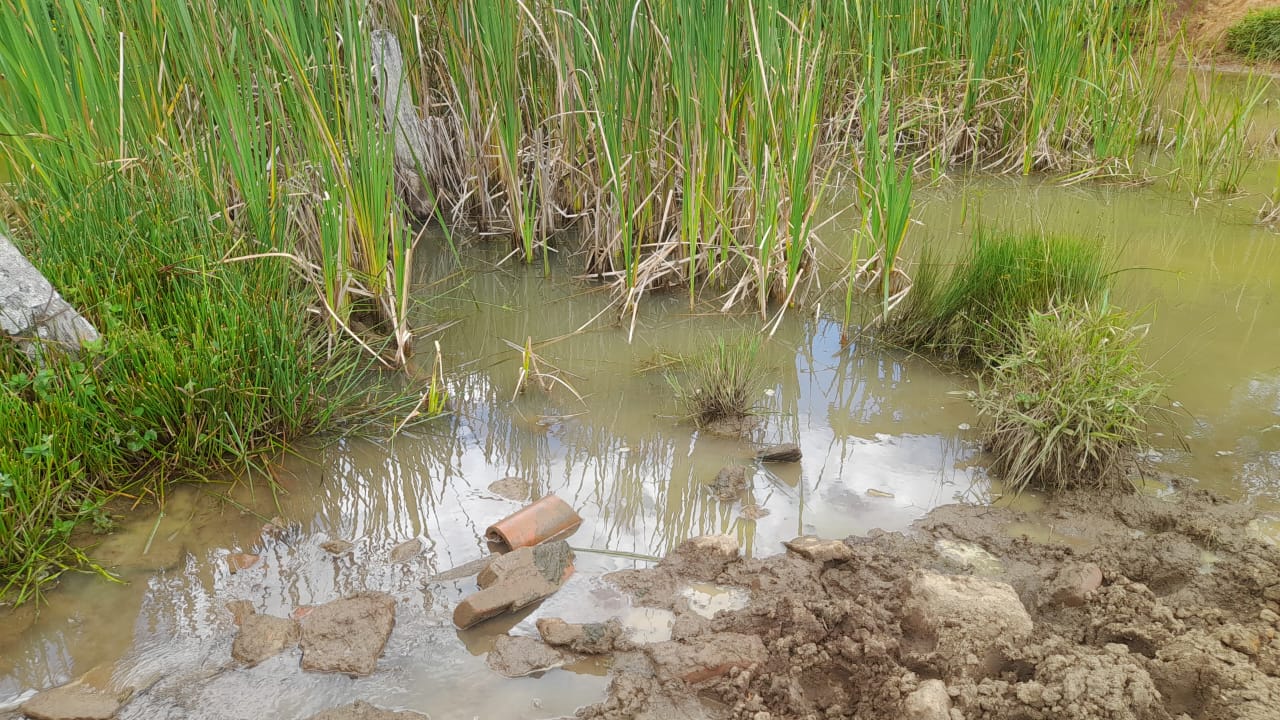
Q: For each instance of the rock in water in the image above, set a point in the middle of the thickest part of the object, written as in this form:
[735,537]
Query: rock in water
[588,638]
[262,637]
[337,547]
[71,702]
[241,561]
[703,557]
[360,710]
[522,655]
[785,453]
[730,483]
[512,488]
[347,635]
[405,551]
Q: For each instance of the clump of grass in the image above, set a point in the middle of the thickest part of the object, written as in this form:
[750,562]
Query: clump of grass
[1210,138]
[206,367]
[1069,400]
[973,310]
[1257,35]
[722,383]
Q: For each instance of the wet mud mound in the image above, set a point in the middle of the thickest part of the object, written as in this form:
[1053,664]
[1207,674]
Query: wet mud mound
[1124,608]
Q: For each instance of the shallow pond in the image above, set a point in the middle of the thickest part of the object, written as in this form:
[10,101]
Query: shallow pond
[885,438]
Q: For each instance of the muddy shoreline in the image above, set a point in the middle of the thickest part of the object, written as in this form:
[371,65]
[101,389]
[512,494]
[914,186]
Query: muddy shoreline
[1134,608]
[1117,607]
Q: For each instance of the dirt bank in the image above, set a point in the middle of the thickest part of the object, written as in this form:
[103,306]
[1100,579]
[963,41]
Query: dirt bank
[1123,608]
[1205,22]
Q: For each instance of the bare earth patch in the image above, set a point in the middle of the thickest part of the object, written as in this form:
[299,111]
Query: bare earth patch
[1206,21]
[1132,609]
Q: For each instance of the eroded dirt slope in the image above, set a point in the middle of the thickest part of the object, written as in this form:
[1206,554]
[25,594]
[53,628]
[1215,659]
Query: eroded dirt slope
[1129,608]
[1206,21]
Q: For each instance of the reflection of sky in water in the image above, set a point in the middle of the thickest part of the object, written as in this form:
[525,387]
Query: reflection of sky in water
[637,474]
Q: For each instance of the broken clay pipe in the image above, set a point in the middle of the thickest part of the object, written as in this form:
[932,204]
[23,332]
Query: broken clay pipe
[514,581]
[547,519]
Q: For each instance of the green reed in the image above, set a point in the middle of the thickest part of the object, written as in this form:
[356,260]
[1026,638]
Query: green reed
[969,310]
[703,38]
[1210,144]
[884,185]
[616,50]
[485,50]
[205,368]
[689,141]
[789,64]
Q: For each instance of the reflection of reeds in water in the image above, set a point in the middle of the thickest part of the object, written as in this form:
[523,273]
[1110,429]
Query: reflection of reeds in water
[622,456]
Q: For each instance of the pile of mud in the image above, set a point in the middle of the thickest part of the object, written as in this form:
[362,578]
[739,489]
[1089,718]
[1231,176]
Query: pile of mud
[1126,608]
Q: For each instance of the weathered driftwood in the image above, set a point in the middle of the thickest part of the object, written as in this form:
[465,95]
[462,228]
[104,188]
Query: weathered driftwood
[421,153]
[32,311]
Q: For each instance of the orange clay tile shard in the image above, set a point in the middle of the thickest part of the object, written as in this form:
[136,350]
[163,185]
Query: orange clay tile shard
[547,519]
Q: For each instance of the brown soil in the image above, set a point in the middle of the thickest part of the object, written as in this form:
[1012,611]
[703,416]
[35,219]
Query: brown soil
[1132,609]
[1206,21]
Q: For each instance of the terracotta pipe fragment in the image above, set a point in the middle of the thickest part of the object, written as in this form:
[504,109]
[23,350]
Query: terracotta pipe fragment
[547,519]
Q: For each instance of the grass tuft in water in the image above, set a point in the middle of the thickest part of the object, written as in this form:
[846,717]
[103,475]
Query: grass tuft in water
[723,382]
[1257,35]
[973,310]
[1069,401]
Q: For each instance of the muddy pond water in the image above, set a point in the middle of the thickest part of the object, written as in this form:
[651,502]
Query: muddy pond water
[885,438]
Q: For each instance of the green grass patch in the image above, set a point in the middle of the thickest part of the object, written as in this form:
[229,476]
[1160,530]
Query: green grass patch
[1257,35]
[1063,390]
[972,310]
[1069,401]
[724,382]
[206,367]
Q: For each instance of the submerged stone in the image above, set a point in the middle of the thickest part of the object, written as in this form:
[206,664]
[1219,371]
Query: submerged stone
[74,701]
[588,638]
[512,488]
[361,710]
[262,637]
[405,551]
[347,635]
[241,561]
[520,655]
[337,547]
[729,483]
